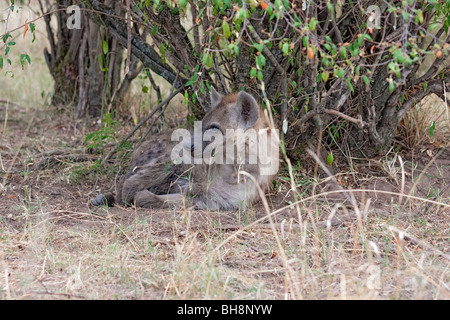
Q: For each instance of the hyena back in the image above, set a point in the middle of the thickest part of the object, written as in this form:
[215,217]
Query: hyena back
[155,180]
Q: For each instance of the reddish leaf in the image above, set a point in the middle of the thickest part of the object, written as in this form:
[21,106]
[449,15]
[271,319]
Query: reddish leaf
[26,28]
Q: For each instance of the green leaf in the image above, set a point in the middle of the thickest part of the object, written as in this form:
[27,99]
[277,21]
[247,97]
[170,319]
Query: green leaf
[162,51]
[208,60]
[236,49]
[330,8]
[325,76]
[312,24]
[349,82]
[340,73]
[394,67]
[391,85]
[100,61]
[330,159]
[259,47]
[108,119]
[105,47]
[366,80]
[260,61]
[144,89]
[224,44]
[431,129]
[405,16]
[226,29]
[1,62]
[5,37]
[253,72]
[343,52]
[419,17]
[305,41]
[24,58]
[285,48]
[260,75]
[89,136]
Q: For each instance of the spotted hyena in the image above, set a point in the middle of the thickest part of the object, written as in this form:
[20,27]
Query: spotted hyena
[204,167]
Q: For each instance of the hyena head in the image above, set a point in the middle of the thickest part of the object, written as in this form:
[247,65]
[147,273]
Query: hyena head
[235,131]
[234,111]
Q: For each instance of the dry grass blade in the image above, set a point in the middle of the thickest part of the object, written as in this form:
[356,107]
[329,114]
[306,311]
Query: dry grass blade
[403,235]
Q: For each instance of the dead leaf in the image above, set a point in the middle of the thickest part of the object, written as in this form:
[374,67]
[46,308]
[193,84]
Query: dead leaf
[26,28]
[274,254]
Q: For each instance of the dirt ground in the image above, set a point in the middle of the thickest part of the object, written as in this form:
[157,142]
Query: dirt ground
[55,245]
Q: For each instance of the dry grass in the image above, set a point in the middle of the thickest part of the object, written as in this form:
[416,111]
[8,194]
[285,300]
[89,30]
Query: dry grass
[53,245]
[51,250]
[414,130]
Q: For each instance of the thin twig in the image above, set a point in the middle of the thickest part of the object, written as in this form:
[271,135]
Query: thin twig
[358,121]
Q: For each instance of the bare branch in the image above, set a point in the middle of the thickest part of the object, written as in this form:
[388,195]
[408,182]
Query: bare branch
[358,121]
[142,50]
[127,66]
[82,98]
[50,35]
[435,86]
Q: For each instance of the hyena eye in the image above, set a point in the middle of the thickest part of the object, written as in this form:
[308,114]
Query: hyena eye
[212,127]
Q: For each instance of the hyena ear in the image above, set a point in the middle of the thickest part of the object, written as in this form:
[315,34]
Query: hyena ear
[215,97]
[248,109]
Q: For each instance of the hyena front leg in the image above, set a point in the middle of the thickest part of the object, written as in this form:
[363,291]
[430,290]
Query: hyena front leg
[143,179]
[147,199]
